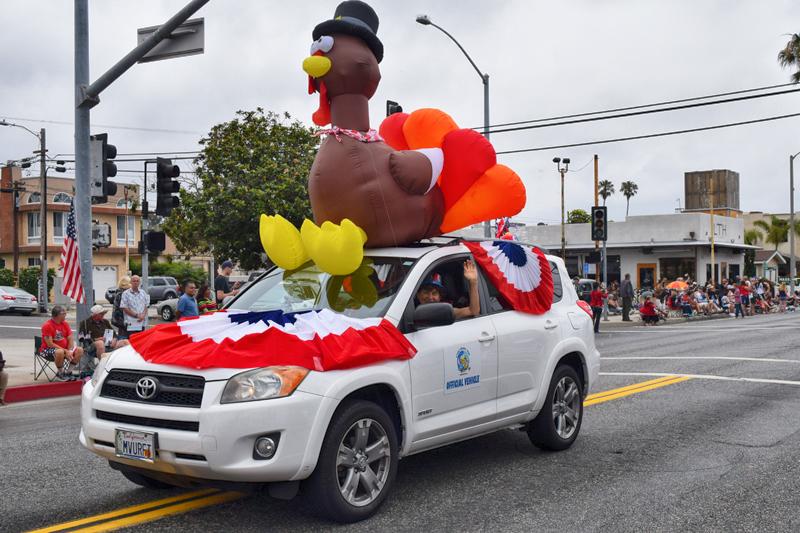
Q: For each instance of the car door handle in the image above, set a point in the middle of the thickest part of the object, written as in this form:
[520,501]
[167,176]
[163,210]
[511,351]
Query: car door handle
[550,325]
[485,337]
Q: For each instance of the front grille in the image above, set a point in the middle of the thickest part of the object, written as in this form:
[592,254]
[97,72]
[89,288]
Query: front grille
[179,425]
[174,389]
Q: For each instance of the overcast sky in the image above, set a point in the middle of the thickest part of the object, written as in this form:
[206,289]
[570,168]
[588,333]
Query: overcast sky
[543,58]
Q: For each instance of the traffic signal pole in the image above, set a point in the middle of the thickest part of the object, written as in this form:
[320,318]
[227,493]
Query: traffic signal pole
[596,204]
[87,96]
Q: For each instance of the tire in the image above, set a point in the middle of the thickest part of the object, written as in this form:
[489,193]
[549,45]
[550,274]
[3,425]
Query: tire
[146,482]
[27,313]
[553,428]
[324,489]
[167,315]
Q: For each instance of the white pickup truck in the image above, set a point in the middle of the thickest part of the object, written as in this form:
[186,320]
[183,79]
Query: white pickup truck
[337,436]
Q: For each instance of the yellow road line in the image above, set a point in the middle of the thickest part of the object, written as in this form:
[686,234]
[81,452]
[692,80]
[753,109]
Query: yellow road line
[126,510]
[214,499]
[636,388]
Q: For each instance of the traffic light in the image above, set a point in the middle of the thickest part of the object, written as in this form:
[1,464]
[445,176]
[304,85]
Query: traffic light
[101,168]
[166,186]
[154,241]
[600,223]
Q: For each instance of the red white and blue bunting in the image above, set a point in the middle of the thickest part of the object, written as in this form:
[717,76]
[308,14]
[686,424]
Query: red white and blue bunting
[520,273]
[317,340]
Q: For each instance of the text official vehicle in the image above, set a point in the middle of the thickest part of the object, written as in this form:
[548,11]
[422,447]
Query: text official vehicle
[336,436]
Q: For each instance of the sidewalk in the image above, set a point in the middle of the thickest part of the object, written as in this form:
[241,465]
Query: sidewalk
[615,321]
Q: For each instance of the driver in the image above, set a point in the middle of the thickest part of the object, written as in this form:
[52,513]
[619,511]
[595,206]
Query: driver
[432,291]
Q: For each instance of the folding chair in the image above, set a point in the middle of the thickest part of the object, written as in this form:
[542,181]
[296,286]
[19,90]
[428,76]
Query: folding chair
[42,364]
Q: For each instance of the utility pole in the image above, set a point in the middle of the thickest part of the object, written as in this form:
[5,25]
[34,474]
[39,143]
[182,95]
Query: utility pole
[43,292]
[562,170]
[596,204]
[711,205]
[792,264]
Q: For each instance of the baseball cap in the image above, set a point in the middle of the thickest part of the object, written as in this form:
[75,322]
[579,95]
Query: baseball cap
[97,309]
[434,280]
[227,264]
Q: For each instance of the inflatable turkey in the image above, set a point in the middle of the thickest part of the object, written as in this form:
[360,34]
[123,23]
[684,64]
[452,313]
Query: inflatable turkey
[419,177]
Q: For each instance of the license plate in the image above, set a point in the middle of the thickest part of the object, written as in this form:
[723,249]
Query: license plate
[136,445]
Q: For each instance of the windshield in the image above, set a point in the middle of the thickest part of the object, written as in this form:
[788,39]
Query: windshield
[366,293]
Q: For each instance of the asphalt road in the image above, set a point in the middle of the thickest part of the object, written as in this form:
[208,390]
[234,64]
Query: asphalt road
[717,451]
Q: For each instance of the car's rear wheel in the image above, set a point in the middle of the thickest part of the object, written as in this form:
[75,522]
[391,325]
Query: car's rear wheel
[146,482]
[167,314]
[557,425]
[357,463]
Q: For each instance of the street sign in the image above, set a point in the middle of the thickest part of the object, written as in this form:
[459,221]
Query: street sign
[186,40]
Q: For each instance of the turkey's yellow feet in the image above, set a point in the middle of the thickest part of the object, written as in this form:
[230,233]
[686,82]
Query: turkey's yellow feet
[282,242]
[335,248]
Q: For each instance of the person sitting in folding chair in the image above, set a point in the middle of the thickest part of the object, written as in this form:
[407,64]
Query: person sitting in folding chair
[58,342]
[99,332]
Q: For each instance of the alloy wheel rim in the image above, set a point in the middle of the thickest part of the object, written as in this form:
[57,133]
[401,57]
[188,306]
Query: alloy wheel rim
[363,462]
[566,407]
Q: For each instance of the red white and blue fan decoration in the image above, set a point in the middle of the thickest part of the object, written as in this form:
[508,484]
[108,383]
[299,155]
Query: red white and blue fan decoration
[520,273]
[317,340]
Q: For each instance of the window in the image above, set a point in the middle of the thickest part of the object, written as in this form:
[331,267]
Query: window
[453,287]
[2,263]
[558,290]
[157,282]
[34,198]
[62,198]
[121,203]
[58,227]
[34,228]
[121,229]
[34,262]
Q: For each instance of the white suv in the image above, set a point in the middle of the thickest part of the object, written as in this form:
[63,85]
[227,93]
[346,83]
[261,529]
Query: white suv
[342,432]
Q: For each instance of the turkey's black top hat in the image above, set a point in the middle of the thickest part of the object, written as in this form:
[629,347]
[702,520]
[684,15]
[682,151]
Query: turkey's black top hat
[356,18]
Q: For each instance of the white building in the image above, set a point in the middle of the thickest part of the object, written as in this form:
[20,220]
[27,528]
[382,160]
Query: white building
[649,247]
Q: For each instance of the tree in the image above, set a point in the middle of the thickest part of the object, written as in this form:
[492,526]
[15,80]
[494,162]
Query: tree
[256,163]
[29,279]
[628,190]
[776,231]
[751,236]
[6,277]
[789,57]
[578,216]
[606,189]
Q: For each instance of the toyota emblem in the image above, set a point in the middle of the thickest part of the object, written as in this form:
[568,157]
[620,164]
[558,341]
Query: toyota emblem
[147,387]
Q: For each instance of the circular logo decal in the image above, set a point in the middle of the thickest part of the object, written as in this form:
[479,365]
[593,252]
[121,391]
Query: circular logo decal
[147,387]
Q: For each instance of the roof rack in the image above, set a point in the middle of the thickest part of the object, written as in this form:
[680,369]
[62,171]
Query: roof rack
[453,240]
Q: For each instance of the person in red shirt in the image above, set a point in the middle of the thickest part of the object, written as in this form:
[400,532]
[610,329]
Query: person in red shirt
[648,312]
[58,343]
[596,302]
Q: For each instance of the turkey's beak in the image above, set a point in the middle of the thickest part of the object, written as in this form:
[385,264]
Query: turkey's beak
[316,66]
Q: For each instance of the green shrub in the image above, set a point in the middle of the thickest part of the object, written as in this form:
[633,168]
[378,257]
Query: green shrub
[180,270]
[29,279]
[6,277]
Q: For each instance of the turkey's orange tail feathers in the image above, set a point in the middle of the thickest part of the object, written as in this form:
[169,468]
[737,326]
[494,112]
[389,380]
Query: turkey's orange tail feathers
[474,186]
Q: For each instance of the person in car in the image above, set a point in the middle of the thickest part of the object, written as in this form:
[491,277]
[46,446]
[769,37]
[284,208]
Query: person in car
[432,291]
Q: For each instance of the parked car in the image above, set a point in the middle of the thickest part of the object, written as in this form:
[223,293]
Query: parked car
[168,309]
[17,300]
[158,287]
[585,289]
[341,433]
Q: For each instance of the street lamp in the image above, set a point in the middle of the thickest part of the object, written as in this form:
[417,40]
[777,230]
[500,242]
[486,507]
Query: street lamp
[43,292]
[792,266]
[426,21]
[562,170]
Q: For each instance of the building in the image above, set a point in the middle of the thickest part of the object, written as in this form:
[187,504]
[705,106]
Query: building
[21,226]
[712,189]
[783,247]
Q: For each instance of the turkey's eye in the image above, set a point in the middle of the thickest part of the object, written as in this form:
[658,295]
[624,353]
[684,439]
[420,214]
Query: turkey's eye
[323,44]
[326,43]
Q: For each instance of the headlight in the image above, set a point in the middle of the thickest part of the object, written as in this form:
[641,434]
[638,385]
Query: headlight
[99,370]
[263,384]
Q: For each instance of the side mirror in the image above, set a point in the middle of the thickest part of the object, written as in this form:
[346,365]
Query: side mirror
[435,314]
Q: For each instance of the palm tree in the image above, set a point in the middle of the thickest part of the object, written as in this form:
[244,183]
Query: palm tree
[777,230]
[752,236]
[789,57]
[606,189]
[628,190]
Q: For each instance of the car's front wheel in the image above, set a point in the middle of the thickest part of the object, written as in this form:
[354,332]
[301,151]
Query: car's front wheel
[357,463]
[167,314]
[557,425]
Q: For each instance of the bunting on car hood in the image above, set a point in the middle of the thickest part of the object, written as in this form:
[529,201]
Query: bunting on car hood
[317,340]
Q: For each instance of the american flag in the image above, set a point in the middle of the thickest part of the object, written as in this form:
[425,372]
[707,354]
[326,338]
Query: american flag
[502,227]
[70,262]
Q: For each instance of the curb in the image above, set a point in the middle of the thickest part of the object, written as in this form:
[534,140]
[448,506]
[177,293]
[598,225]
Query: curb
[25,393]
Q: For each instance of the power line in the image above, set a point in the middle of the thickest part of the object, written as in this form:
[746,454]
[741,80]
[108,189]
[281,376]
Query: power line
[650,136]
[109,126]
[637,113]
[642,106]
